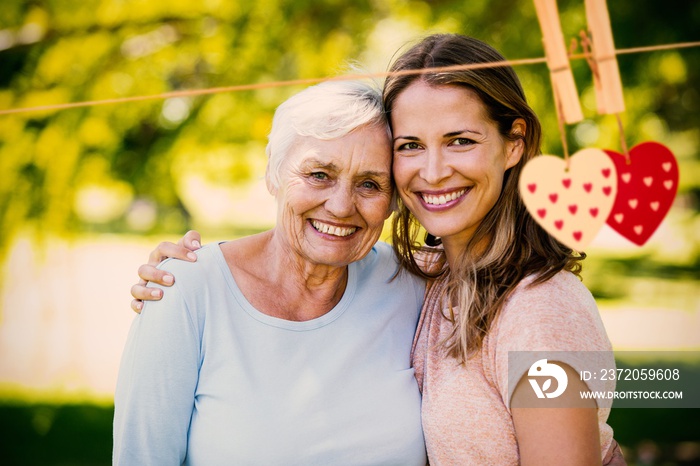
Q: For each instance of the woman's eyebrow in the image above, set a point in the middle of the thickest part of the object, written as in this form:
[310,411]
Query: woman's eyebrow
[457,133]
[374,174]
[315,163]
[409,138]
[446,135]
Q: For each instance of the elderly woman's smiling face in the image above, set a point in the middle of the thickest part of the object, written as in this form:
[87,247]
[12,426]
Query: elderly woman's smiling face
[334,196]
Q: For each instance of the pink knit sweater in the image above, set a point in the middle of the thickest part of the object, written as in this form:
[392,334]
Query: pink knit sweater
[466,408]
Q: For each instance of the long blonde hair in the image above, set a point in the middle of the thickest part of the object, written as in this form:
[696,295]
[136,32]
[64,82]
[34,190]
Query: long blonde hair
[511,245]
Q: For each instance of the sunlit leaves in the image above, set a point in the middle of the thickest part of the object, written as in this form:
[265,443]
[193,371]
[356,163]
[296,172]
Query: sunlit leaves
[60,51]
[671,68]
[102,203]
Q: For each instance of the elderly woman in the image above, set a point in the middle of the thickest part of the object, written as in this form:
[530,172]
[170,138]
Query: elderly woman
[291,346]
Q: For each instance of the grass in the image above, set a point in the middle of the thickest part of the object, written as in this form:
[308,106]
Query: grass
[58,435]
[81,434]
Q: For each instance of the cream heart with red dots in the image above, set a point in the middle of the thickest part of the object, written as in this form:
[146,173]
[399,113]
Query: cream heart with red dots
[571,205]
[647,185]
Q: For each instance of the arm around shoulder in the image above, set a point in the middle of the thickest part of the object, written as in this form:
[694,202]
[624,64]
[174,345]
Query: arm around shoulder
[155,389]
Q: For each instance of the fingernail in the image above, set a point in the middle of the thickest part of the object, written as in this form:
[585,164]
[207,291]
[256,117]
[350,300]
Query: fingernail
[168,279]
[196,244]
[155,293]
[139,306]
[191,256]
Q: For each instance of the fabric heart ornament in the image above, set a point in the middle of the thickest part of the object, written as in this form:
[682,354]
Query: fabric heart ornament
[647,186]
[571,205]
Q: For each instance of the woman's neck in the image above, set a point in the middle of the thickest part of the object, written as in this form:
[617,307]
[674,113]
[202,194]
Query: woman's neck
[280,283]
[456,246]
[453,251]
[286,265]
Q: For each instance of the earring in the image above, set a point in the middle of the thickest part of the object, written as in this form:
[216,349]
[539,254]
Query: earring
[432,241]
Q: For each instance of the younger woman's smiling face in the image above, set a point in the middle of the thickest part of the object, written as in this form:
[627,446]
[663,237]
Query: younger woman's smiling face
[449,158]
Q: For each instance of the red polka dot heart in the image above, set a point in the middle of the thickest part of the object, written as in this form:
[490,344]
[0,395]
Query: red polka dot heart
[647,186]
[599,186]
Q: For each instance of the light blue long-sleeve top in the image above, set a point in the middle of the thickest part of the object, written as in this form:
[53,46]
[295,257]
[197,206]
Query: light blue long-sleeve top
[206,379]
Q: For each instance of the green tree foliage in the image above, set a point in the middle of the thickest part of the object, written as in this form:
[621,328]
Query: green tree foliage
[123,167]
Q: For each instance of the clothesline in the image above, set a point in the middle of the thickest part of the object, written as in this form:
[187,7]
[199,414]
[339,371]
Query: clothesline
[309,81]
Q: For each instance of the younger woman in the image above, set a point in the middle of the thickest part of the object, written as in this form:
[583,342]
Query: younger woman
[499,282]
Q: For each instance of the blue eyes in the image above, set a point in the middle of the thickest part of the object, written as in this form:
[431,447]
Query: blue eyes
[321,176]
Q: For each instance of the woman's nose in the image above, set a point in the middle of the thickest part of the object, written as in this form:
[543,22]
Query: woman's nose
[341,202]
[435,168]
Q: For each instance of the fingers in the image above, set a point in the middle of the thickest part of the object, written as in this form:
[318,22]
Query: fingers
[167,249]
[192,240]
[149,273]
[143,293]
[136,305]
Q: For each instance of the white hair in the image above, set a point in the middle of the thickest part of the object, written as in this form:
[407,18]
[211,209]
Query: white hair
[326,111]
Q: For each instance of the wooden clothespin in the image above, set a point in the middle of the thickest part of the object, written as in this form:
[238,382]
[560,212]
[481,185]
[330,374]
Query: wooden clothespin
[606,73]
[565,93]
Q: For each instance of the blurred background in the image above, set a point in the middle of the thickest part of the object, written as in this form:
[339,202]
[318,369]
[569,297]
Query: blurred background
[86,193]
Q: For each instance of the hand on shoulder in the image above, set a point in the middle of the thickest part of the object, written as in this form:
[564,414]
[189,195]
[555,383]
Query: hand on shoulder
[149,272]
